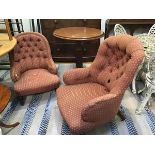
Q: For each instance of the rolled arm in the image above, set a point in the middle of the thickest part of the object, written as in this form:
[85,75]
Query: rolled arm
[51,66]
[16,72]
[77,76]
[101,109]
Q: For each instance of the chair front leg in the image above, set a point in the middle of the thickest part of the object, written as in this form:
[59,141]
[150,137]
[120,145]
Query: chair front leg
[121,115]
[21,99]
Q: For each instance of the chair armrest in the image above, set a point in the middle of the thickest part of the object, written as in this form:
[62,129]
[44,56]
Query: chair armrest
[51,66]
[103,108]
[15,72]
[77,76]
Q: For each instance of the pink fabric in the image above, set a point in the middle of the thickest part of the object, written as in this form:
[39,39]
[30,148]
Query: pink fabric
[32,52]
[36,80]
[114,67]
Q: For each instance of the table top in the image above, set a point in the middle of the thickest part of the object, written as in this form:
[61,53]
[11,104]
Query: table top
[78,33]
[6,45]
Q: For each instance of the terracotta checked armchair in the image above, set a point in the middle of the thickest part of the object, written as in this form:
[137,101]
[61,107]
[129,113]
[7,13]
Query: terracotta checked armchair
[33,70]
[92,96]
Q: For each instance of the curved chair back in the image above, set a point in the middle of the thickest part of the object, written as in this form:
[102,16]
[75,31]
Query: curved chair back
[116,62]
[32,51]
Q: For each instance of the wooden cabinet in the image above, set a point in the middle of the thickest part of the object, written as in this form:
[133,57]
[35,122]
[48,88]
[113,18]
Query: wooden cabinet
[64,50]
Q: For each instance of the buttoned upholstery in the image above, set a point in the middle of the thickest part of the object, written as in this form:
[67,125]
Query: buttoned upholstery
[92,95]
[33,69]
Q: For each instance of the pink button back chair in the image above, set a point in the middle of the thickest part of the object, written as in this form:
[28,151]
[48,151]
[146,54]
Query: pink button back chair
[33,70]
[92,96]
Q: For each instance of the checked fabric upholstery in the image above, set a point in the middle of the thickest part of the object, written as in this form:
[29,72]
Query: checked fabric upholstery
[92,96]
[33,70]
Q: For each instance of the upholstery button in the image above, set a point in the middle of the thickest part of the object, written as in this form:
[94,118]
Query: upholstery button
[38,40]
[108,81]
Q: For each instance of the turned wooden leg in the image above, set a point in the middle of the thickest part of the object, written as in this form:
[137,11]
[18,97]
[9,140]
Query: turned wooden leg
[120,114]
[9,126]
[79,54]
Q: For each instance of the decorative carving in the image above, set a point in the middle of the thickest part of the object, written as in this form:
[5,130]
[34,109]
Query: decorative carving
[119,29]
[152,30]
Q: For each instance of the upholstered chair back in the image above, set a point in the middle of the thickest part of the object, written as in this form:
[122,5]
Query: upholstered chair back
[31,52]
[113,66]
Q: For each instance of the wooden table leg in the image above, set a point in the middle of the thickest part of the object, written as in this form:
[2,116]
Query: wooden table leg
[120,114]
[79,63]
[79,54]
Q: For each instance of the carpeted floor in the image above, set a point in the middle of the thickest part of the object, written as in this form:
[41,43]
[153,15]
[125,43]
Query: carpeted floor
[40,114]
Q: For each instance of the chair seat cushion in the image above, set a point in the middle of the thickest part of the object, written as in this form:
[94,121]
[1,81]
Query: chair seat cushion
[36,81]
[73,98]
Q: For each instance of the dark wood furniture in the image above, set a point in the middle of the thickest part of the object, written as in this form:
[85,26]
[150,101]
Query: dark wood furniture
[4,99]
[130,24]
[64,50]
[79,34]
[5,93]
